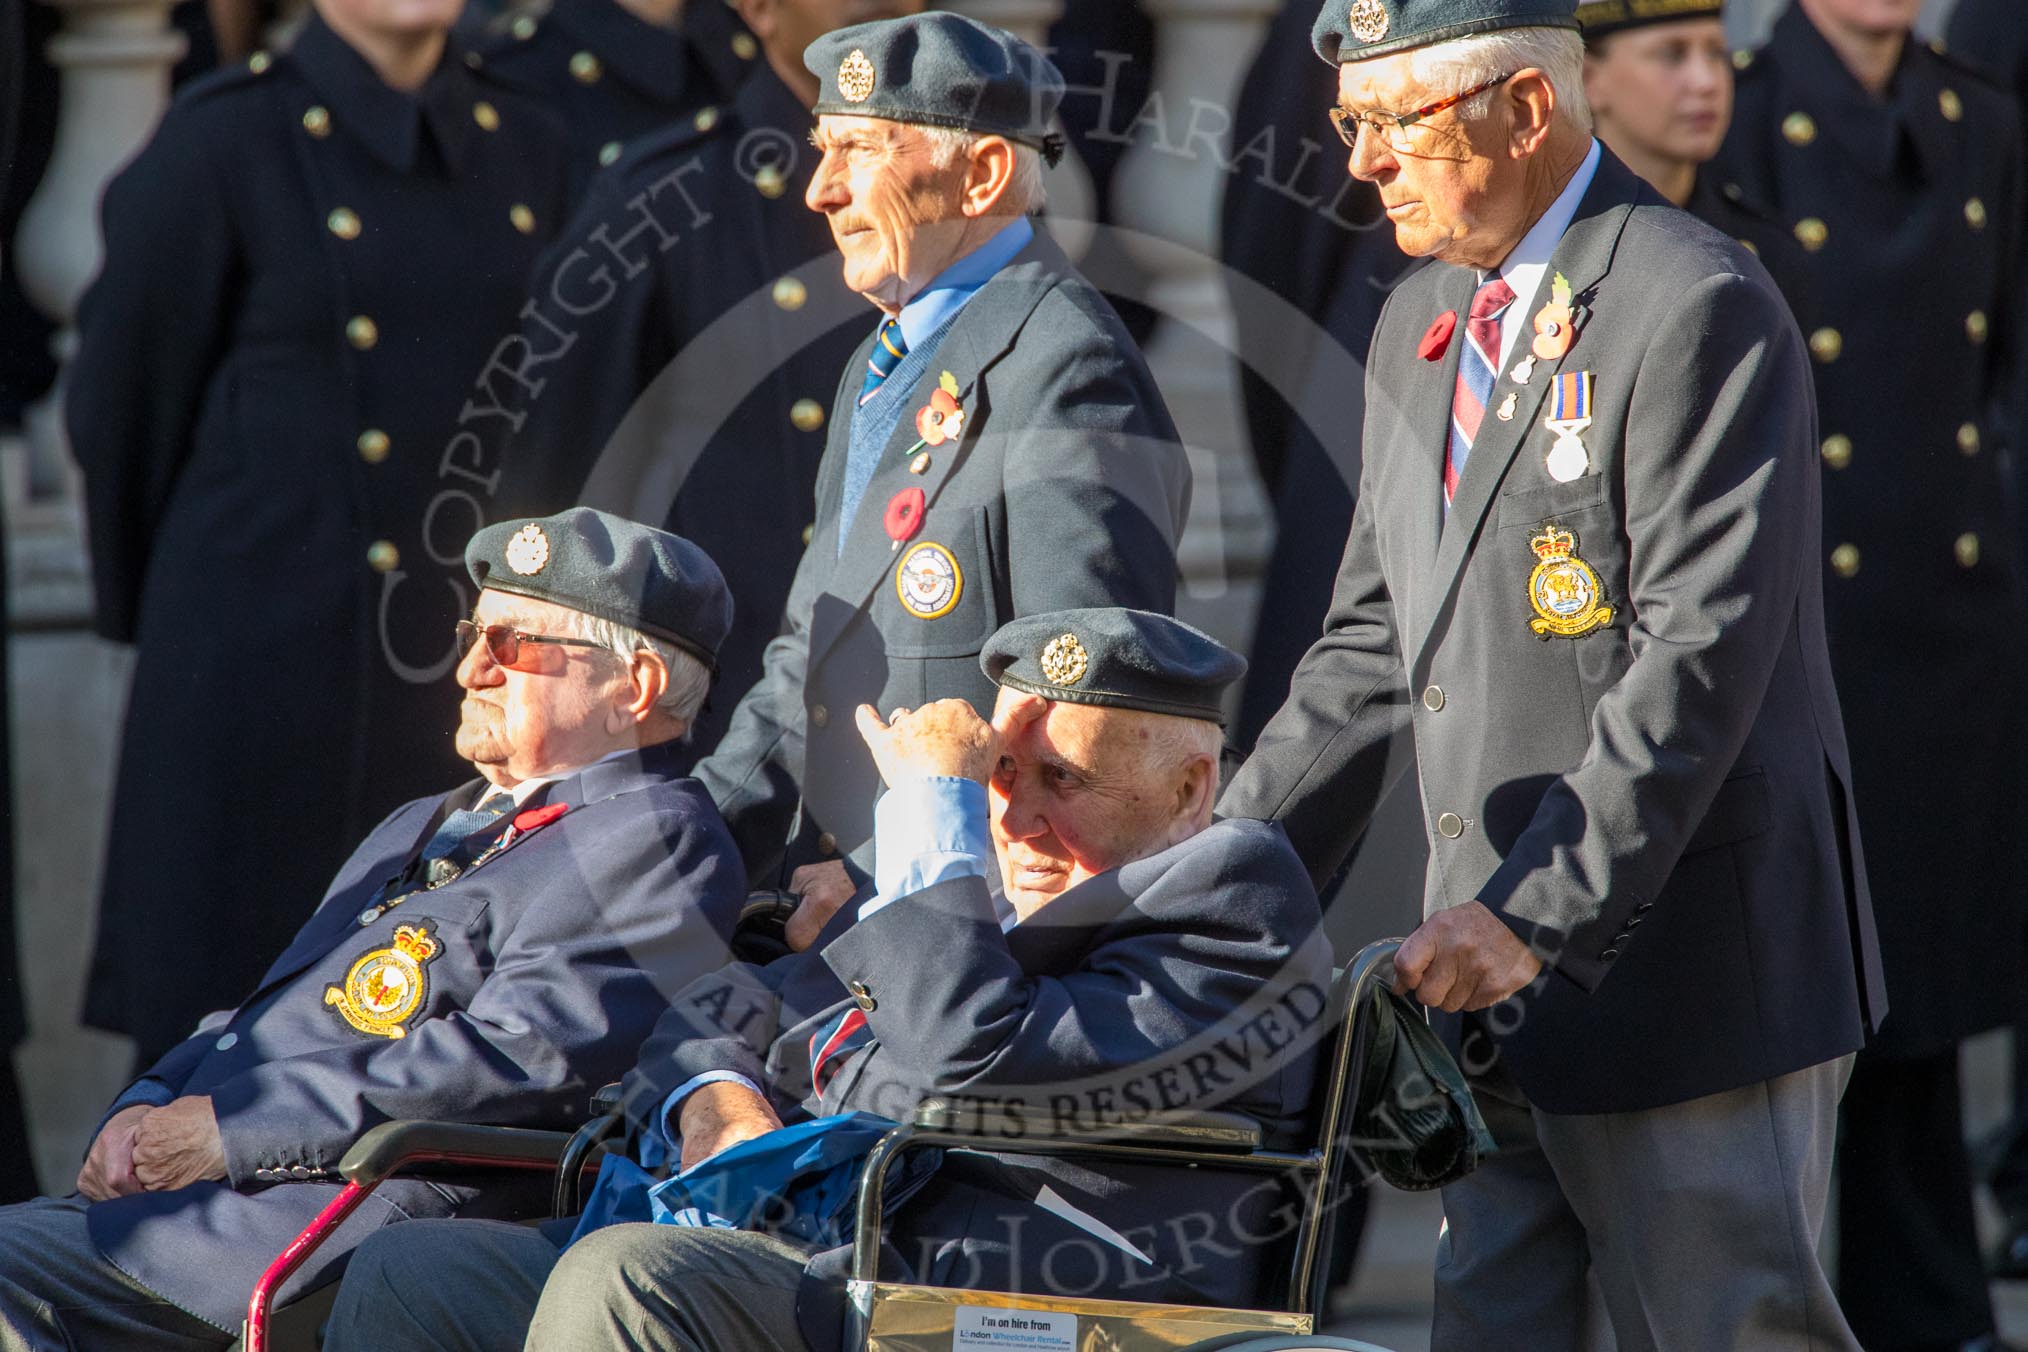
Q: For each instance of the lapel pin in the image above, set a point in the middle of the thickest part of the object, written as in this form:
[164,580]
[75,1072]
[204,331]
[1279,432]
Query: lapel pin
[1436,339]
[904,514]
[1506,410]
[1522,370]
[1555,324]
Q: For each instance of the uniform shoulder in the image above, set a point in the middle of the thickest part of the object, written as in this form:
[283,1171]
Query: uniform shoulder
[224,93]
[1979,80]
[648,154]
[212,118]
[1245,850]
[516,43]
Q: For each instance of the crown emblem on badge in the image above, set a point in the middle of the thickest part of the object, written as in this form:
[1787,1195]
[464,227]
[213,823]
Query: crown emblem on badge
[415,942]
[855,78]
[1064,660]
[1553,544]
[1368,20]
[528,551]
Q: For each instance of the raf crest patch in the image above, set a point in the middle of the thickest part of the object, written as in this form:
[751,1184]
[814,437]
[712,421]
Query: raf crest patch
[928,581]
[528,552]
[385,988]
[1064,660]
[855,78]
[1568,598]
[1368,21]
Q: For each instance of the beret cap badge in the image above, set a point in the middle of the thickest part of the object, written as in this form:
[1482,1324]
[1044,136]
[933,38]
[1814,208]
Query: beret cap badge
[1064,660]
[855,78]
[528,551]
[1368,20]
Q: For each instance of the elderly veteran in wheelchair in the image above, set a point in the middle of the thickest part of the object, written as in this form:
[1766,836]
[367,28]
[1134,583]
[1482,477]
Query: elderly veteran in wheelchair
[492,954]
[1136,958]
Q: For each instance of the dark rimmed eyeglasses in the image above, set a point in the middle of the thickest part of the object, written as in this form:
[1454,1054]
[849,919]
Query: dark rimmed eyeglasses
[503,641]
[1393,127]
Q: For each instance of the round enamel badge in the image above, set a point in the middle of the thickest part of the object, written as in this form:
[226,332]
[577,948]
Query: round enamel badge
[385,987]
[928,581]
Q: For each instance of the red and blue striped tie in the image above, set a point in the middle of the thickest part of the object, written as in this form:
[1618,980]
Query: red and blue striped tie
[831,1047]
[1478,371]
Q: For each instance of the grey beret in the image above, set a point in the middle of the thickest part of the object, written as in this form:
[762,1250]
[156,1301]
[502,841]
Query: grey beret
[1128,659]
[1358,30]
[613,568]
[940,70]
[1603,18]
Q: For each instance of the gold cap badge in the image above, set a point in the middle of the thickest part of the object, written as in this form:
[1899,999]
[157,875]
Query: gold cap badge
[855,78]
[1368,20]
[1064,660]
[528,551]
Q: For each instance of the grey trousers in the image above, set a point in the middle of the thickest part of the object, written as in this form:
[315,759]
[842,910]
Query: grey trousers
[59,1294]
[1698,1223]
[487,1286]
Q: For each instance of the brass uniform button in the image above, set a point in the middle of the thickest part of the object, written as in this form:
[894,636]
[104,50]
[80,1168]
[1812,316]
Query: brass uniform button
[1939,46]
[1950,105]
[609,152]
[523,218]
[819,715]
[523,27]
[486,115]
[373,445]
[1811,233]
[1845,560]
[343,223]
[790,293]
[706,119]
[1826,344]
[259,62]
[1450,826]
[585,68]
[1433,698]
[862,995]
[1975,213]
[382,556]
[317,120]
[744,47]
[1741,59]
[362,332]
[1966,547]
[1750,247]
[1968,438]
[474,60]
[827,844]
[1837,450]
[1799,128]
[808,531]
[1975,326]
[920,463]
[807,415]
[770,182]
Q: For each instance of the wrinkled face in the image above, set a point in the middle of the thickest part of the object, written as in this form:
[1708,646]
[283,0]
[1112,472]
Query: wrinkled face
[1079,790]
[898,219]
[390,18]
[1439,191]
[1664,91]
[556,709]
[1878,17]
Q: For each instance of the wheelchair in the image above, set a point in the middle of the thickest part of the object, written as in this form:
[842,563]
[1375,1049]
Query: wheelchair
[896,1317]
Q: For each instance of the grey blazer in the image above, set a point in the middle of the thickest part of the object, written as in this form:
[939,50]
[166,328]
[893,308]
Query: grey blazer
[1068,487]
[1661,799]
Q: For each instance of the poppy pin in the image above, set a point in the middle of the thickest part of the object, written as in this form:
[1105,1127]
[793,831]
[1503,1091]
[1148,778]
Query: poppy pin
[904,514]
[1436,339]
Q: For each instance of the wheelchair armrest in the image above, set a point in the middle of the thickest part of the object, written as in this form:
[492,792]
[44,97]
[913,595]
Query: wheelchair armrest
[606,1100]
[993,1123]
[385,1149]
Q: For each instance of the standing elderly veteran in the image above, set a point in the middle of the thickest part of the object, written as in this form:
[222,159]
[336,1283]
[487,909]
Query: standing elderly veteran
[492,954]
[1132,934]
[1584,567]
[996,448]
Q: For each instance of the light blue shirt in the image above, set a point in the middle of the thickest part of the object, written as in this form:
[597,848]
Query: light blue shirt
[926,832]
[947,292]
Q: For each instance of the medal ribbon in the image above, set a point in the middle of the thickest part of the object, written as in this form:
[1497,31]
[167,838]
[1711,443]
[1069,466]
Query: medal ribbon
[1569,403]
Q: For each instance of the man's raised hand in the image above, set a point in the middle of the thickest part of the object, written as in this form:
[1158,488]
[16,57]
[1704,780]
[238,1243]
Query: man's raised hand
[945,738]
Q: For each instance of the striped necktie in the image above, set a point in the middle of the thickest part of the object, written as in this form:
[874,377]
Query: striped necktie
[436,860]
[888,350]
[1478,370]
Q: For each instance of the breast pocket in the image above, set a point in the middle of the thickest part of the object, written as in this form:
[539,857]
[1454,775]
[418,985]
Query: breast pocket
[939,598]
[1531,507]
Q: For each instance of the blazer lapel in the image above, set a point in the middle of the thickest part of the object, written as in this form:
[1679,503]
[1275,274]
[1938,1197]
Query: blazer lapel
[1583,256]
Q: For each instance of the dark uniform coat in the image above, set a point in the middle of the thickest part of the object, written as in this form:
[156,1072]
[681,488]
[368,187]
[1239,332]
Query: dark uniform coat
[686,369]
[611,75]
[1067,487]
[1660,798]
[305,272]
[1181,981]
[1908,210]
[553,959]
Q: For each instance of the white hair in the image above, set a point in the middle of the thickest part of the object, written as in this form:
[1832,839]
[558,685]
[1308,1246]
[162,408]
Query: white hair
[689,679]
[1026,192]
[1465,63]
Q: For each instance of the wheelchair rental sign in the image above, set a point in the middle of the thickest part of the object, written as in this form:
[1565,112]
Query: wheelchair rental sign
[1004,1330]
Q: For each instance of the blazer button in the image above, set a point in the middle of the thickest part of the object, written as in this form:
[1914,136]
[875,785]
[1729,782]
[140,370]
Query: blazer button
[862,996]
[298,1172]
[1634,924]
[806,415]
[226,1043]
[1450,826]
[369,915]
[827,844]
[1433,698]
[1609,955]
[819,716]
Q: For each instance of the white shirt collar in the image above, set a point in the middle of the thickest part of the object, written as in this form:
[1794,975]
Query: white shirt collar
[1526,265]
[525,790]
